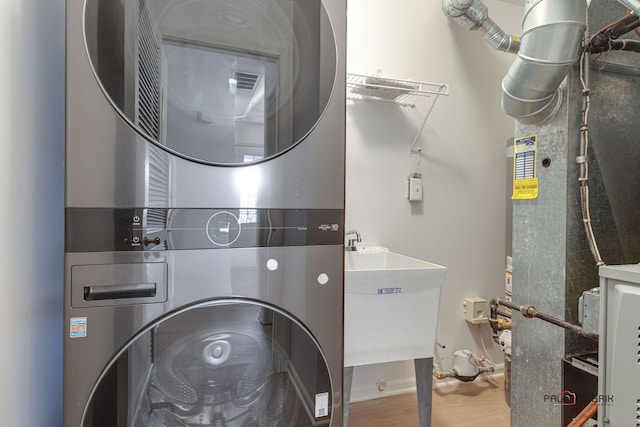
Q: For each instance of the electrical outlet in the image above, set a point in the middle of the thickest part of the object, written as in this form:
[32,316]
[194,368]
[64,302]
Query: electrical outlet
[476,310]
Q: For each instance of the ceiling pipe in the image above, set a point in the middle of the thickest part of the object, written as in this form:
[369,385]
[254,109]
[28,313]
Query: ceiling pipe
[551,44]
[473,15]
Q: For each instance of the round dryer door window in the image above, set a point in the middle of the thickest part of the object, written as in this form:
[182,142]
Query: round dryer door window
[217,81]
[225,363]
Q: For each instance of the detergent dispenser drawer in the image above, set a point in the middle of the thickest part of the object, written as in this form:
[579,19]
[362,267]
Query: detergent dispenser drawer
[118,284]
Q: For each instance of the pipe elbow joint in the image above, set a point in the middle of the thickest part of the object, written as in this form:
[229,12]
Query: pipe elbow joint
[469,14]
[456,8]
[531,90]
[531,111]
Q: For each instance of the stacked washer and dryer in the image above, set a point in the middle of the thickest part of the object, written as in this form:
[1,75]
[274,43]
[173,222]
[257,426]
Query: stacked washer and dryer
[204,213]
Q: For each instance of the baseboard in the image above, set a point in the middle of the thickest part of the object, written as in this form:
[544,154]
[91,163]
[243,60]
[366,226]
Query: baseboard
[408,385]
[393,388]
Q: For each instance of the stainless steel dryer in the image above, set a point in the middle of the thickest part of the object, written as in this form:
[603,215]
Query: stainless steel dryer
[204,213]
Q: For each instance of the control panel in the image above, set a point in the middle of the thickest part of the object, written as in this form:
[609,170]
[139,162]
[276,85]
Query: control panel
[146,229]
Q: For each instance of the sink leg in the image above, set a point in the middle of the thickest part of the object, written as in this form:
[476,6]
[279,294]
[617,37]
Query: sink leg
[424,387]
[346,393]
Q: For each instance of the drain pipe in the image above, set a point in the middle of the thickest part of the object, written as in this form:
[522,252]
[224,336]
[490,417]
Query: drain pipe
[550,46]
[473,15]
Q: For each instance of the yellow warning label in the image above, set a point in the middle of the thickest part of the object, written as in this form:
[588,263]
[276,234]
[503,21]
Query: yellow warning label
[525,180]
[525,189]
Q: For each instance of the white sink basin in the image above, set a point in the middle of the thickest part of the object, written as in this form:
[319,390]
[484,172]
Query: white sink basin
[391,307]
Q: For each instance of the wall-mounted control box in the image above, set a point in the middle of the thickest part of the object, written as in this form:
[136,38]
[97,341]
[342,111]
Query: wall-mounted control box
[476,310]
[414,187]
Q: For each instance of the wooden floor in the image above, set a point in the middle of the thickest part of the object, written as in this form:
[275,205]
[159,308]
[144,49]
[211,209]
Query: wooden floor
[477,404]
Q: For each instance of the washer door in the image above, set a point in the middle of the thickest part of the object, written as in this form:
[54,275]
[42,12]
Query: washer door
[215,81]
[221,363]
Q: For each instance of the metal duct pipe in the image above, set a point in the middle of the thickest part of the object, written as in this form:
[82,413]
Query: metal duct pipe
[456,8]
[473,15]
[497,38]
[551,42]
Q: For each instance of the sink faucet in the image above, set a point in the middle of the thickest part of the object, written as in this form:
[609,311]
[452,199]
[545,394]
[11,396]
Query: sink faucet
[351,243]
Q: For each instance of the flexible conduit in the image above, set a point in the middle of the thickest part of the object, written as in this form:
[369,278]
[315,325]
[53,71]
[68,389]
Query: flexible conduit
[582,159]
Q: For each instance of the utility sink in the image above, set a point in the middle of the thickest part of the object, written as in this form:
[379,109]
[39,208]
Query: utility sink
[391,306]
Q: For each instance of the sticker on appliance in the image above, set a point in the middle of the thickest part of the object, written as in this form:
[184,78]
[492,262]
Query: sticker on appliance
[78,327]
[525,179]
[384,291]
[508,283]
[322,405]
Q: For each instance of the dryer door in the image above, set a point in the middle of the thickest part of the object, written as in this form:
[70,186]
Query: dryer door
[216,81]
[221,363]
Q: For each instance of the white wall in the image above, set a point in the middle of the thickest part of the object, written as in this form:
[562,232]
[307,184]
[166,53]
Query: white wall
[461,223]
[31,218]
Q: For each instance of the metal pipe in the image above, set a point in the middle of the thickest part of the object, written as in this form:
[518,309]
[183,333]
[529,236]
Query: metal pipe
[624,26]
[473,15]
[504,314]
[493,319]
[494,313]
[607,38]
[584,415]
[497,38]
[633,5]
[442,375]
[456,8]
[550,45]
[497,325]
[530,311]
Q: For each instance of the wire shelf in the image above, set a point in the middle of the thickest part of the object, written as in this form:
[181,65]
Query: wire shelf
[403,92]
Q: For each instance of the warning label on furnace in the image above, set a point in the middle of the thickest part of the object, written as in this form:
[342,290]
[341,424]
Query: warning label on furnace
[525,180]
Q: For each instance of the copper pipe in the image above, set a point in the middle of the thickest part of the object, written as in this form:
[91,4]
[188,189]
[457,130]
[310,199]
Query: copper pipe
[584,415]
